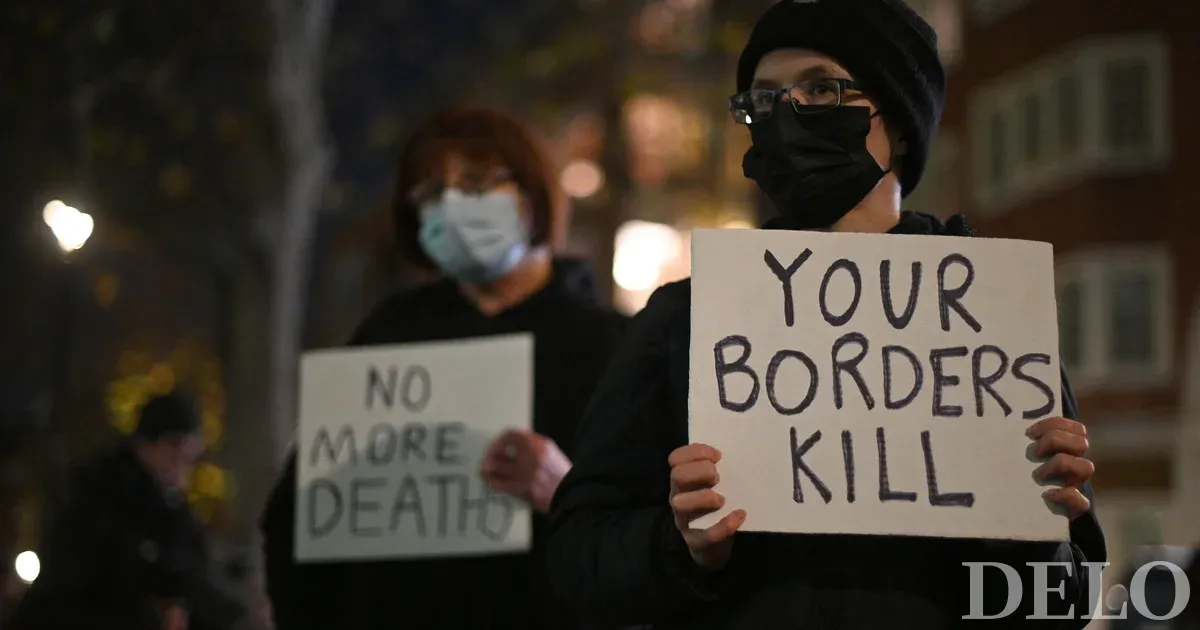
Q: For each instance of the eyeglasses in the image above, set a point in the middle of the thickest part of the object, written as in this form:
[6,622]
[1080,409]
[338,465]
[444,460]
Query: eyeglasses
[471,182]
[807,97]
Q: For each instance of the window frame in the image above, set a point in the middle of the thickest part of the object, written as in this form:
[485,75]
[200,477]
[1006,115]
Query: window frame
[1092,270]
[984,106]
[1056,167]
[1153,49]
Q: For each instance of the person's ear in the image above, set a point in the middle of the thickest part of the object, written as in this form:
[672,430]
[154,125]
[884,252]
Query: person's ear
[899,146]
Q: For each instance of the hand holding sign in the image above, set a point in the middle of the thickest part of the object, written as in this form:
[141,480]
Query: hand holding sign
[693,475]
[881,384]
[1064,441]
[526,465]
[390,456]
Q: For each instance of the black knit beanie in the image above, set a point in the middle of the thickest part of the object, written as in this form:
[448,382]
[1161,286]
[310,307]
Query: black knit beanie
[168,415]
[882,43]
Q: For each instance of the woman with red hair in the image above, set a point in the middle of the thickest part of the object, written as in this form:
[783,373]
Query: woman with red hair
[478,202]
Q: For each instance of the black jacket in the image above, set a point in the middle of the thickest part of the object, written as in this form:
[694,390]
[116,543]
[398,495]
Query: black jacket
[573,338]
[615,555]
[117,553]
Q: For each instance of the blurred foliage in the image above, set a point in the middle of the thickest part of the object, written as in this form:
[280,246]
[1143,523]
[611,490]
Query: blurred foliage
[148,115]
[190,366]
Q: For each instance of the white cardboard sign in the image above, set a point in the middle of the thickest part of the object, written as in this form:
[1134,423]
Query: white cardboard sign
[844,404]
[391,440]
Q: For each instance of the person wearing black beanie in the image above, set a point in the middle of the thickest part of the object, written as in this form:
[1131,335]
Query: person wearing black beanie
[125,551]
[167,440]
[842,99]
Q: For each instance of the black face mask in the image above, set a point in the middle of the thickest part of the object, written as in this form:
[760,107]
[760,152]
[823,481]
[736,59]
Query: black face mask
[814,167]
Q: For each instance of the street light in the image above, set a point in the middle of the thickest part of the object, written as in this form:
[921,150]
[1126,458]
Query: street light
[71,228]
[27,566]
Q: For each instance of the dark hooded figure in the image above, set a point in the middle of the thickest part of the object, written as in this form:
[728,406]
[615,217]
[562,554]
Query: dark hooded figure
[841,98]
[126,553]
[477,200]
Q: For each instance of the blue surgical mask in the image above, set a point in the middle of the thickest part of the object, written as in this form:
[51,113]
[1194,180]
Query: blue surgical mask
[474,238]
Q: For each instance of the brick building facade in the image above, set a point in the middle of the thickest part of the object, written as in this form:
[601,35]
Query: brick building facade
[1067,122]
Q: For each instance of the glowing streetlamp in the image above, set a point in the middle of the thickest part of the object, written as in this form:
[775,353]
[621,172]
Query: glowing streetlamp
[71,228]
[27,566]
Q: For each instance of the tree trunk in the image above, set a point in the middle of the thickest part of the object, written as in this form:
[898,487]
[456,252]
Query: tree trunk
[301,35]
[289,280]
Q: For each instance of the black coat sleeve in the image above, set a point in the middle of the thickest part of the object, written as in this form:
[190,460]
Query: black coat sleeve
[1068,571]
[612,537]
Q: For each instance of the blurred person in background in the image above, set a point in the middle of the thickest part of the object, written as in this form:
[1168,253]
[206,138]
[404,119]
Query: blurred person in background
[126,552]
[476,199]
[842,98]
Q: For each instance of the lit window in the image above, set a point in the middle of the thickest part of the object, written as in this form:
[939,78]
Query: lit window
[1131,317]
[1115,316]
[1127,100]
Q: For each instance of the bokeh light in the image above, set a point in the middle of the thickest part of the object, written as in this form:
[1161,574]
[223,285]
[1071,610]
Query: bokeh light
[71,228]
[27,566]
[582,178]
[642,249]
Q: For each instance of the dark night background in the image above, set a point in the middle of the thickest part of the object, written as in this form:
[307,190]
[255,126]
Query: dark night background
[158,119]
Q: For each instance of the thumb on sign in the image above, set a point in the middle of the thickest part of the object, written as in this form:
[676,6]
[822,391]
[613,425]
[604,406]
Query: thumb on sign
[697,506]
